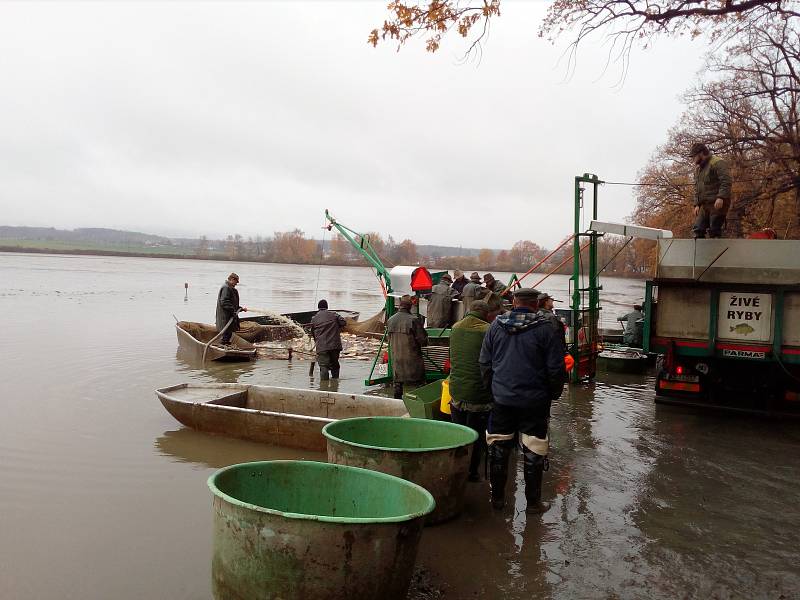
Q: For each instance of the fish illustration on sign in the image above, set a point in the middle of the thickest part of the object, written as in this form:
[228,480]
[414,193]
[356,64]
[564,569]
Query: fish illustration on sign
[742,329]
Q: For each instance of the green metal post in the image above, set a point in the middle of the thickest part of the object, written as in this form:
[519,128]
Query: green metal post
[576,295]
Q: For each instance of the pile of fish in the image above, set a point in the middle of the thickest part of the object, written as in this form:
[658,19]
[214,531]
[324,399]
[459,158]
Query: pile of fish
[302,348]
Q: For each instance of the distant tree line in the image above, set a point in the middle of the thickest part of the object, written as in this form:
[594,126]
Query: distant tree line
[619,258]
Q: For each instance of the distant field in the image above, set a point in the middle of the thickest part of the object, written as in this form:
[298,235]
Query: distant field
[61,246]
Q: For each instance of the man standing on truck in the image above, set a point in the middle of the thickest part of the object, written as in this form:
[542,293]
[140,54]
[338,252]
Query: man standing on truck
[326,328]
[407,338]
[522,362]
[228,308]
[712,192]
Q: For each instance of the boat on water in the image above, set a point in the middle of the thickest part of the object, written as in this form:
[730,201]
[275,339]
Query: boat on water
[193,338]
[623,359]
[278,416]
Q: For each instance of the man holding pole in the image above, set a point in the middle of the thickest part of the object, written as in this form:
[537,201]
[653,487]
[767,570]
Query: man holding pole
[228,308]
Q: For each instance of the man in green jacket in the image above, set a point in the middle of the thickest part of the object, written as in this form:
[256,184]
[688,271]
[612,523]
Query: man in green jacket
[712,192]
[471,400]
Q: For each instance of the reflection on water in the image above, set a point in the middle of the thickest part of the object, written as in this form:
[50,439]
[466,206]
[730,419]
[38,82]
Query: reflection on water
[190,365]
[103,493]
[189,446]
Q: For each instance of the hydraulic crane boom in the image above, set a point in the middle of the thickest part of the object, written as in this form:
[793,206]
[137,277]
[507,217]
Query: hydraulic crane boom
[361,243]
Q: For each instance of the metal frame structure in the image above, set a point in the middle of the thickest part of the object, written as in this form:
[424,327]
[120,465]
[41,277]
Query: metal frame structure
[585,317]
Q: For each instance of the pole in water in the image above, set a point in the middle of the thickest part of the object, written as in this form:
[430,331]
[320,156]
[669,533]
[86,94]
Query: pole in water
[186,292]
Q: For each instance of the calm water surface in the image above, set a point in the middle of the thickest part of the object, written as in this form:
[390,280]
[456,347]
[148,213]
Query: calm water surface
[103,494]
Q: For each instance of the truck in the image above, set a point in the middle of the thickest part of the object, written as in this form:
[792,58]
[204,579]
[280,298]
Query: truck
[725,316]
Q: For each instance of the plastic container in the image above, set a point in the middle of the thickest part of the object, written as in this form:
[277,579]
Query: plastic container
[444,406]
[302,530]
[433,454]
[425,401]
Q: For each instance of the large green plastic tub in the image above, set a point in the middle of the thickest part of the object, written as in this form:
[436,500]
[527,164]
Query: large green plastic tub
[293,530]
[433,454]
[423,402]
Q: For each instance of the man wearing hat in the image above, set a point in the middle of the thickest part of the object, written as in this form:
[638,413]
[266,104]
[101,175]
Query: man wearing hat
[472,291]
[326,327]
[546,308]
[228,308]
[440,303]
[522,361]
[407,337]
[492,284]
[459,281]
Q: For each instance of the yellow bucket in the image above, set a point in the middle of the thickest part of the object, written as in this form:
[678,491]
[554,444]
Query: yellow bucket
[445,404]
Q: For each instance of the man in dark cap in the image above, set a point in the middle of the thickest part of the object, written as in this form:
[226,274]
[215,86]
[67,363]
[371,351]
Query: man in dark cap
[471,292]
[546,308]
[326,328]
[440,303]
[228,308]
[712,191]
[407,337]
[471,398]
[522,362]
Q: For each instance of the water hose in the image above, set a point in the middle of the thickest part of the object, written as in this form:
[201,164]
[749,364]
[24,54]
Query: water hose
[214,339]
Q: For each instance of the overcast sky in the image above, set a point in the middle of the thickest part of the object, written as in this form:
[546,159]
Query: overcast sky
[193,118]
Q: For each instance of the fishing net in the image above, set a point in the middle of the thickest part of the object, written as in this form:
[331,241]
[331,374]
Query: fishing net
[369,328]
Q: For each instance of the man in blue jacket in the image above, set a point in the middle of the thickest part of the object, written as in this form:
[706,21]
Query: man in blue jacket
[522,360]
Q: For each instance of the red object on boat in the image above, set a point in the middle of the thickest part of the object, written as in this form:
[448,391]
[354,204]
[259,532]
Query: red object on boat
[421,280]
[764,234]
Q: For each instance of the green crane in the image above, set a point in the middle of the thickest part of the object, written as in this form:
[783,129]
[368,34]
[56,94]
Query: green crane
[361,242]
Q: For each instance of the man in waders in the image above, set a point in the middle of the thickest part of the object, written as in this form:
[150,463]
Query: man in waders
[228,308]
[522,362]
[712,192]
[407,337]
[326,327]
[471,399]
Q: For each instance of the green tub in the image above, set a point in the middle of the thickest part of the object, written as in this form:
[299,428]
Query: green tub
[306,530]
[433,454]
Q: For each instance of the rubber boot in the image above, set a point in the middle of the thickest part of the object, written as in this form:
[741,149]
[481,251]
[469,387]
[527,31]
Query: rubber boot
[534,469]
[499,453]
[324,373]
[335,373]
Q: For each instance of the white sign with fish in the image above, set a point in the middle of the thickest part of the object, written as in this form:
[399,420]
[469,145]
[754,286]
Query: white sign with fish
[745,316]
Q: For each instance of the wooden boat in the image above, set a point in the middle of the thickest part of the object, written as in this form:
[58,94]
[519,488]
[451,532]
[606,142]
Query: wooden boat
[622,359]
[272,415]
[194,336]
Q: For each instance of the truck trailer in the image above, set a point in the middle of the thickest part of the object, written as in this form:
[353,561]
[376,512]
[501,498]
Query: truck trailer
[725,316]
